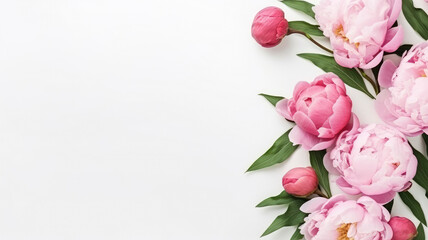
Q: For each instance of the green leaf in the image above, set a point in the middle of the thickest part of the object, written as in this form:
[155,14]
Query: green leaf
[389,205]
[349,76]
[414,206]
[292,217]
[425,137]
[297,235]
[302,6]
[416,17]
[281,199]
[421,233]
[316,158]
[421,176]
[305,27]
[272,99]
[278,153]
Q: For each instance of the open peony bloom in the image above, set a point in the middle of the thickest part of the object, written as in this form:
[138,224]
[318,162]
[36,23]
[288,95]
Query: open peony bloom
[404,102]
[269,27]
[374,160]
[402,228]
[360,31]
[321,110]
[343,219]
[300,182]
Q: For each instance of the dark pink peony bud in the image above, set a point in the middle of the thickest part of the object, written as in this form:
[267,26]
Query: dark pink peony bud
[269,27]
[300,182]
[402,228]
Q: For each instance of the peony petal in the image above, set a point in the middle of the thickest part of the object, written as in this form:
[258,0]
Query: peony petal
[323,144]
[386,72]
[345,62]
[374,62]
[346,187]
[283,110]
[394,12]
[393,39]
[333,200]
[412,166]
[299,88]
[384,198]
[380,106]
[319,111]
[341,113]
[313,204]
[328,163]
[305,123]
[300,137]
[308,141]
[370,224]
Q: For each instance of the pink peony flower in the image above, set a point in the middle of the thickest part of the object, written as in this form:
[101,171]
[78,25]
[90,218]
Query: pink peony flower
[404,102]
[374,160]
[300,182]
[360,31]
[321,110]
[340,218]
[402,228]
[269,27]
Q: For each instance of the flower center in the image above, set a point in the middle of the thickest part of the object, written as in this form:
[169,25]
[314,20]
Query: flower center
[340,33]
[343,231]
[395,165]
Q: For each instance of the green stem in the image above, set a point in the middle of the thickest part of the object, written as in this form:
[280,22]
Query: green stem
[374,83]
[291,31]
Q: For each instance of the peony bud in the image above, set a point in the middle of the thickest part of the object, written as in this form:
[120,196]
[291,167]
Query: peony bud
[402,228]
[300,182]
[269,27]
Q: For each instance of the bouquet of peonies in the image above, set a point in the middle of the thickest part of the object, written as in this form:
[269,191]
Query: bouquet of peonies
[374,162]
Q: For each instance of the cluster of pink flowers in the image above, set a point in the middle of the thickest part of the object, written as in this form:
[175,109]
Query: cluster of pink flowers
[372,161]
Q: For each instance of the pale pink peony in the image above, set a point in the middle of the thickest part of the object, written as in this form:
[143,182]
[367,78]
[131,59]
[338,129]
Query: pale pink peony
[321,110]
[340,218]
[402,228]
[374,160]
[269,27]
[404,102]
[300,182]
[360,31]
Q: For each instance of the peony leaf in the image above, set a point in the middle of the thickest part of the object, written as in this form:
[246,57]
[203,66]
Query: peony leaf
[297,235]
[416,17]
[349,76]
[305,27]
[421,176]
[425,137]
[302,6]
[316,158]
[421,233]
[281,199]
[292,217]
[272,99]
[414,206]
[389,205]
[278,153]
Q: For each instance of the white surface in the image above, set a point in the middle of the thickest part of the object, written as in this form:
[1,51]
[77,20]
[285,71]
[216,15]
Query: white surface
[137,119]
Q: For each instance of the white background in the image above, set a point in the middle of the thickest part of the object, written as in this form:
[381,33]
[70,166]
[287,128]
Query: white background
[137,119]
